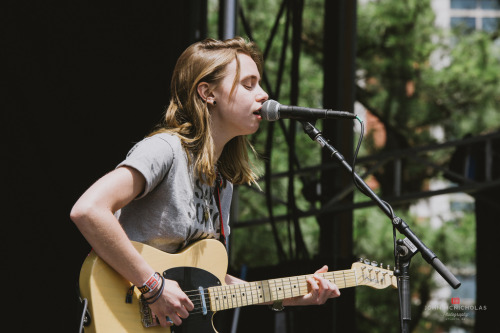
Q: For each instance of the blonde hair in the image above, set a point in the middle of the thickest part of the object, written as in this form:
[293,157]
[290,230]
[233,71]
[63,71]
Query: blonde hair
[187,115]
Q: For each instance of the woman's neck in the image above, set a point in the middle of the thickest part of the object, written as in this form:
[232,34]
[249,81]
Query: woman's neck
[219,143]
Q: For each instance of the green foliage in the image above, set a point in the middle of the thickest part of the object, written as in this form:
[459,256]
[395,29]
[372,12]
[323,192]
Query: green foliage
[414,77]
[453,243]
[394,47]
[466,90]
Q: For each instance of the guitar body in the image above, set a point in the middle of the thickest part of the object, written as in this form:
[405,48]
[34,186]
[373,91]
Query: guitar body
[202,264]
[200,270]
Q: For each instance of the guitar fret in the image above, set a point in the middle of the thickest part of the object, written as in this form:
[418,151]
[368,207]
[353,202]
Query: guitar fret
[344,279]
[226,297]
[241,295]
[293,286]
[265,295]
[245,293]
[229,296]
[234,297]
[275,289]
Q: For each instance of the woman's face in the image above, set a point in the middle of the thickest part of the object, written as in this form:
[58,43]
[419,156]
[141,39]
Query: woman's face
[238,113]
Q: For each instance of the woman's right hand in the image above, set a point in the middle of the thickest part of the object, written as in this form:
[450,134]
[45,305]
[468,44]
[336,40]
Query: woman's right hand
[173,303]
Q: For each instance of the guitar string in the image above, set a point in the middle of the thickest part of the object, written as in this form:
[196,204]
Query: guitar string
[225,303]
[253,286]
[195,295]
[273,284]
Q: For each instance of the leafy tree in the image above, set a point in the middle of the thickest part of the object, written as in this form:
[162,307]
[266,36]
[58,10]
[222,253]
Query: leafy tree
[414,78]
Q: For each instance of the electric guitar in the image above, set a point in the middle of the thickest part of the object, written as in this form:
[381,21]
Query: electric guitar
[200,270]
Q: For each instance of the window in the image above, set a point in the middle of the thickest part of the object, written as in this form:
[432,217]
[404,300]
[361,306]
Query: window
[463,4]
[490,4]
[491,24]
[470,15]
[473,4]
[464,23]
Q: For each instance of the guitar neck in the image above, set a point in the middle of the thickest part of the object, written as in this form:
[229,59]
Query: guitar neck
[252,293]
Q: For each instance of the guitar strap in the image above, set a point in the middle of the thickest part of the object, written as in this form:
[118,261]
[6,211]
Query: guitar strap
[218,187]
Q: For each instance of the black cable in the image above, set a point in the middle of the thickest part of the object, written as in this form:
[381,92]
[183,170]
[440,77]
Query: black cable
[354,168]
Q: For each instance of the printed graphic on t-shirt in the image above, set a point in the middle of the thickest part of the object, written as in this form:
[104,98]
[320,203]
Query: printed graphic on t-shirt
[206,219]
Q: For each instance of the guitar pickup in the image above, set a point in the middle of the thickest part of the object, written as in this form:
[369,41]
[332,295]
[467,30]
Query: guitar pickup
[203,302]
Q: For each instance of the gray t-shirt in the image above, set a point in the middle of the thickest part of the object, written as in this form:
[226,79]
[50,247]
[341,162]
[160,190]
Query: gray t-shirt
[176,208]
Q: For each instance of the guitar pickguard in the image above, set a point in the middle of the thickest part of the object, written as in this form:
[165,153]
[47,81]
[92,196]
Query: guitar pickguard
[190,279]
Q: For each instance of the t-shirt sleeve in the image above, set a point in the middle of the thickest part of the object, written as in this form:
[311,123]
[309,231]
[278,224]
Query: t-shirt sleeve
[152,157]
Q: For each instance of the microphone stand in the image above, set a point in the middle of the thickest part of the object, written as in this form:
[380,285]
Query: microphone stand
[405,248]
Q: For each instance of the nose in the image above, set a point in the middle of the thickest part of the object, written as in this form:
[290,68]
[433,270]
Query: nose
[262,96]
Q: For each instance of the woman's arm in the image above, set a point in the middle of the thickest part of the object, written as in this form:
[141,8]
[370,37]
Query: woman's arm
[93,214]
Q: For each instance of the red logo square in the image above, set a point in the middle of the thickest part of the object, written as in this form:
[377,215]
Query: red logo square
[455,300]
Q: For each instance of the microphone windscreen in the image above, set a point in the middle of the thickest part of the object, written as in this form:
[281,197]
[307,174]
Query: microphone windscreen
[270,110]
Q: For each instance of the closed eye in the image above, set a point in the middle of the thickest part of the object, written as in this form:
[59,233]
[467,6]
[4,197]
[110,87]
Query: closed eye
[249,82]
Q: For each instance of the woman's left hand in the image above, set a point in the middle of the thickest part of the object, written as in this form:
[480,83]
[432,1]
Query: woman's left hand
[320,290]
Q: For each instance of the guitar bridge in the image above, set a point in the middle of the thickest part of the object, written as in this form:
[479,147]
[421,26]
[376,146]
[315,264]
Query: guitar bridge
[147,318]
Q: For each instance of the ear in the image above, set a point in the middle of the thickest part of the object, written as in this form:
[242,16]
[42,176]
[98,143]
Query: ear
[205,92]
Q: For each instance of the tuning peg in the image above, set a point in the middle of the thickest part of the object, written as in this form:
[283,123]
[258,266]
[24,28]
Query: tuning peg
[374,263]
[381,265]
[360,259]
[389,267]
[367,261]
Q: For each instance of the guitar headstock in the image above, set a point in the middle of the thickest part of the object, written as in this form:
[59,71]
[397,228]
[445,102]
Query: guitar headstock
[372,275]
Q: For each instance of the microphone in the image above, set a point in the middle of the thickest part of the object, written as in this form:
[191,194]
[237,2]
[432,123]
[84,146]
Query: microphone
[272,111]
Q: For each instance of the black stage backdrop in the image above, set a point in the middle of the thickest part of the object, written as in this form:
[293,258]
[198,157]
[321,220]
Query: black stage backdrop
[81,82]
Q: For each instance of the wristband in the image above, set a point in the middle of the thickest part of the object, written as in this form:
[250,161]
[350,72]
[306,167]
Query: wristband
[150,284]
[156,295]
